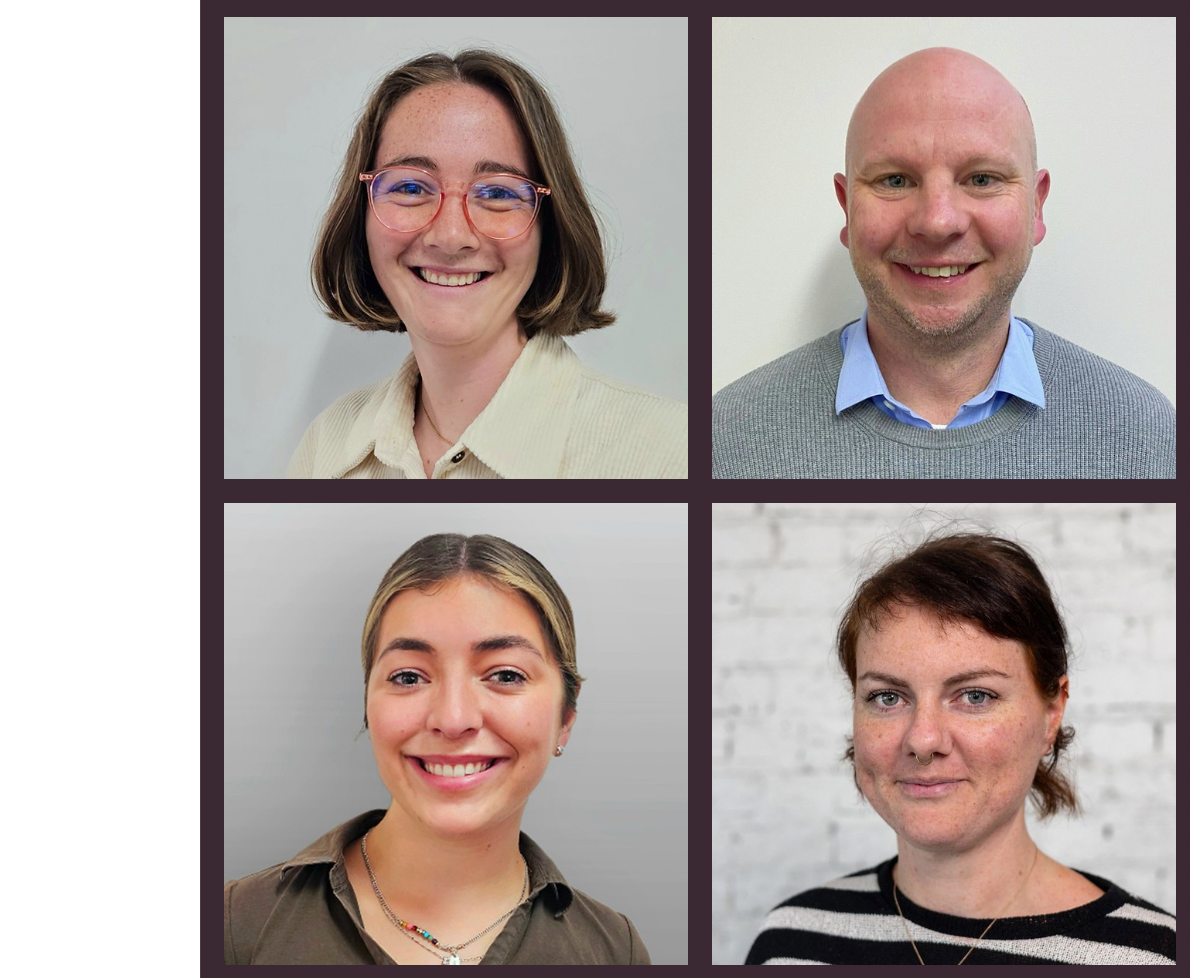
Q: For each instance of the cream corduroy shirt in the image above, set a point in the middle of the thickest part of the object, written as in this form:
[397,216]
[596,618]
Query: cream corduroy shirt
[551,418]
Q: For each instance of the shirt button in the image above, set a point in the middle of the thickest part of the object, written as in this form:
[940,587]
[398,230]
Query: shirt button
[458,458]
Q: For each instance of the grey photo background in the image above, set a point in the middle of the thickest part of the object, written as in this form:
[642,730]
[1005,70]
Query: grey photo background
[1101,92]
[293,89]
[786,815]
[612,812]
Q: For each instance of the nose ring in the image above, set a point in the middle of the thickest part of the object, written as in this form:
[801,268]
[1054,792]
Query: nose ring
[924,763]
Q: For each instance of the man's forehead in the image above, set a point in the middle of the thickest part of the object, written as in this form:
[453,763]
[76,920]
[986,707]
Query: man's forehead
[939,100]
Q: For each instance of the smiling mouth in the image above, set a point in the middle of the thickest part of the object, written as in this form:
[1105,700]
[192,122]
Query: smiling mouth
[457,770]
[447,280]
[939,271]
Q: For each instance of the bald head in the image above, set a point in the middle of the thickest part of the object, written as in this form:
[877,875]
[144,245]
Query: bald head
[940,95]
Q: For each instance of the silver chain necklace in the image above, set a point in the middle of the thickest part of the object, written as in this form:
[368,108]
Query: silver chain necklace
[408,929]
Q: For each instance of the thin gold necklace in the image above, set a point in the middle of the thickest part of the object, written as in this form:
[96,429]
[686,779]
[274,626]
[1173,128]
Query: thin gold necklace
[426,411]
[905,923]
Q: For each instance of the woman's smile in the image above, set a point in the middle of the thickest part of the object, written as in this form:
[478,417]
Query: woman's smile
[464,704]
[929,789]
[449,283]
[458,776]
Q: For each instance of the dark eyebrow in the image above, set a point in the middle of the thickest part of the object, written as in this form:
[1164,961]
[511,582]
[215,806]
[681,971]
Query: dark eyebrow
[482,166]
[493,644]
[962,677]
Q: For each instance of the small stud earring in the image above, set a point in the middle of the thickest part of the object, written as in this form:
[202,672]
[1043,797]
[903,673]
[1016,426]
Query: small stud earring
[558,751]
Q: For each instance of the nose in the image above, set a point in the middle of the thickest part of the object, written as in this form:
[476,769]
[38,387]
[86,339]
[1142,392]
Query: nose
[927,733]
[940,211]
[455,707]
[451,232]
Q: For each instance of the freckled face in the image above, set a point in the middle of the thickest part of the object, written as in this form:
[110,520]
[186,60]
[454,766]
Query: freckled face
[455,702]
[456,128]
[987,734]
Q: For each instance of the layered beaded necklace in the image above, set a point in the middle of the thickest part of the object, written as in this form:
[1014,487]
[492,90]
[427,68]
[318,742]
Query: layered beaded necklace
[410,929]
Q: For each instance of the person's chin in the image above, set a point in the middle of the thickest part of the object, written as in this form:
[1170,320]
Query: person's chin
[455,331]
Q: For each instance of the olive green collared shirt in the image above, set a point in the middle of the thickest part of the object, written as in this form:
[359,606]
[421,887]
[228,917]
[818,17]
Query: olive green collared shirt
[304,911]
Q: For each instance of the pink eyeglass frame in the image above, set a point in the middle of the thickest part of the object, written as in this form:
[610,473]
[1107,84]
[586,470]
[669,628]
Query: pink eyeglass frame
[542,191]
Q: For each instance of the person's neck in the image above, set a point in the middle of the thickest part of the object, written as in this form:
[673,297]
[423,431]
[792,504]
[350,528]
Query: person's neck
[936,377]
[458,381]
[983,882]
[425,874]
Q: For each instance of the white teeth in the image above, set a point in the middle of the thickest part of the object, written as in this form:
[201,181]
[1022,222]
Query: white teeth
[946,272]
[457,770]
[435,279]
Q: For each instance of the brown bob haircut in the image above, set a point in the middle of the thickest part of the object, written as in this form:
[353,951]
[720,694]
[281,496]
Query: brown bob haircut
[442,557]
[995,584]
[565,295]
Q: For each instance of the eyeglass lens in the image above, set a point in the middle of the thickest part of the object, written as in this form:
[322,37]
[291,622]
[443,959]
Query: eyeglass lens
[499,206]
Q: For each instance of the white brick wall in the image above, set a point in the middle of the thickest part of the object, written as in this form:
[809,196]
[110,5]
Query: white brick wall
[785,812]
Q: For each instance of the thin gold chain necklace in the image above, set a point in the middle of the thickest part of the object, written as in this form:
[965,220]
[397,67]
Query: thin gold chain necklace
[426,411]
[905,923]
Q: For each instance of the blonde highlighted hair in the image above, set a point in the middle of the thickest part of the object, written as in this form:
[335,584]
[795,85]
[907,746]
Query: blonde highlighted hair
[445,556]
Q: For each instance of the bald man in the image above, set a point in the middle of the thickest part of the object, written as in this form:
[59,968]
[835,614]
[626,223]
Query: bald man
[938,379]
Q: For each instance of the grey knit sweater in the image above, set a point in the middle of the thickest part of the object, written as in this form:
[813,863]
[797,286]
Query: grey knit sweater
[1100,422]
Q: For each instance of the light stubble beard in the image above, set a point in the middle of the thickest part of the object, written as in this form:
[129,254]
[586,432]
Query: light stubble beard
[971,325]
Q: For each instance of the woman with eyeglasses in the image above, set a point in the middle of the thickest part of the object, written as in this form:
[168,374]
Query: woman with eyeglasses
[460,219]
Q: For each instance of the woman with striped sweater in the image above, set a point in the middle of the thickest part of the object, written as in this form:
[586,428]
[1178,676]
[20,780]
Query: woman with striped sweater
[957,657]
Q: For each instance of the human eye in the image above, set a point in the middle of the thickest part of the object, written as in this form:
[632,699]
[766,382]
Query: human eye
[885,184]
[502,193]
[508,677]
[989,177]
[405,677]
[881,698]
[983,699]
[403,188]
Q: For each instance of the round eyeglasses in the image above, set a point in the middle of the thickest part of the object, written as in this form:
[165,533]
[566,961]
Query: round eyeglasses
[497,205]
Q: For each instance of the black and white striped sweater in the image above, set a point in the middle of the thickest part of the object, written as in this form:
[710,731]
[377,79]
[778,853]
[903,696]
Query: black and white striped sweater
[854,921]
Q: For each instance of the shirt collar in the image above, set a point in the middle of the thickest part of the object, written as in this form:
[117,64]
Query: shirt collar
[860,377]
[543,383]
[543,874]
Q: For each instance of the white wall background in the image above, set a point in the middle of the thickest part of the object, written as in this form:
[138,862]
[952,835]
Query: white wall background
[1101,92]
[786,815]
[293,89]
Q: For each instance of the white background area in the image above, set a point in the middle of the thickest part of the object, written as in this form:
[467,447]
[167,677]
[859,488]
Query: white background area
[786,815]
[1101,93]
[294,88]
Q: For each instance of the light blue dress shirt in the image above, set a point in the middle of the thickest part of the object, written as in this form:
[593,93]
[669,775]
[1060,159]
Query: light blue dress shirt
[861,379]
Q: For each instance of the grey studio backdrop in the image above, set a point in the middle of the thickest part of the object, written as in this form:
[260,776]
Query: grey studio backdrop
[786,815]
[294,88]
[612,812]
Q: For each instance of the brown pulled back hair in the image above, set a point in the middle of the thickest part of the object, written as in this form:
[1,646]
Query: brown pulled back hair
[995,584]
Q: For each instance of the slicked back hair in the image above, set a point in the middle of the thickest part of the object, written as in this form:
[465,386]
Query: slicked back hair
[445,556]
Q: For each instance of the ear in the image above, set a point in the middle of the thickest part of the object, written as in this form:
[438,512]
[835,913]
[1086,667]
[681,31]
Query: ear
[841,193]
[1056,710]
[1042,191]
[567,725]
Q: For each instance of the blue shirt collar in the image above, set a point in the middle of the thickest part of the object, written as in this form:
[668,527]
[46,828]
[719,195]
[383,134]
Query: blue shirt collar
[861,379]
